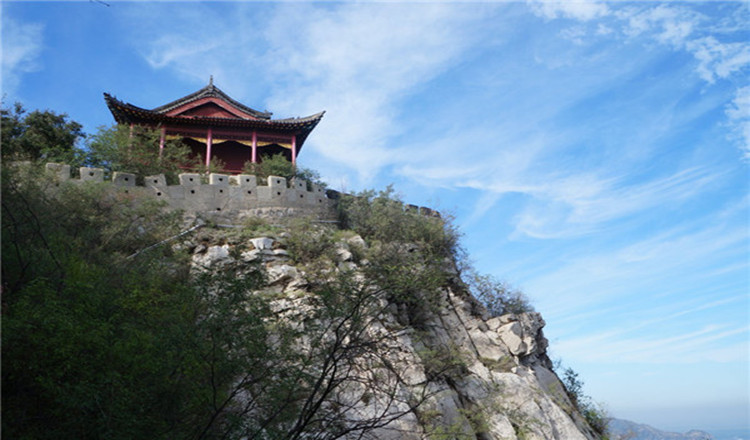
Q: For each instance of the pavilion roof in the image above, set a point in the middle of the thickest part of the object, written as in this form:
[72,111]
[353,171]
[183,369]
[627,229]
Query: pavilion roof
[127,113]
[211,91]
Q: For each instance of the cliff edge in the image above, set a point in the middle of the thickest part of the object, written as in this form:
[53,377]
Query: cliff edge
[449,370]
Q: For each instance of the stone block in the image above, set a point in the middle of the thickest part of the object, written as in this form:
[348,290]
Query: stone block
[162,193]
[299,184]
[190,179]
[218,179]
[123,179]
[59,170]
[317,190]
[220,199]
[157,180]
[175,192]
[264,193]
[246,180]
[276,182]
[297,197]
[92,174]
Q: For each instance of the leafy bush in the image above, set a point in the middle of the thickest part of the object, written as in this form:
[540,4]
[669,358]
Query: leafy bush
[308,242]
[136,150]
[408,252]
[498,296]
[594,414]
[381,217]
[278,165]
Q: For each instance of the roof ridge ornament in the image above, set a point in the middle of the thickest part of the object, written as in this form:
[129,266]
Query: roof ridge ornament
[211,81]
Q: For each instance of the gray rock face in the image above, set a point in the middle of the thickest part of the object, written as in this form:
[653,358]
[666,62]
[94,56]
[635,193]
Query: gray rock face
[505,379]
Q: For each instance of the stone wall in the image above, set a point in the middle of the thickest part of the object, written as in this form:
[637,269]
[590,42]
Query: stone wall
[225,196]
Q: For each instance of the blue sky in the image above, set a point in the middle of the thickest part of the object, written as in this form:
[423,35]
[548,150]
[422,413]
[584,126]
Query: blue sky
[594,154]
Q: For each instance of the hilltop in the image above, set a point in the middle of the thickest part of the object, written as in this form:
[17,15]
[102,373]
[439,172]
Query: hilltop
[126,318]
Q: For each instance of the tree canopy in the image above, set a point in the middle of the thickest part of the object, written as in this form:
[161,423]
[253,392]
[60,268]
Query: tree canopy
[39,135]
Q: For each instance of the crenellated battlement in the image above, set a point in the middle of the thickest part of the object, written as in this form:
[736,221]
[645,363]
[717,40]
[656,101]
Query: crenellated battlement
[224,195]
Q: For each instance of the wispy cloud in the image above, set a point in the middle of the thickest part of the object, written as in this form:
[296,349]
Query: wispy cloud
[720,48]
[711,343]
[738,112]
[359,61]
[580,204]
[21,48]
[585,11]
[672,262]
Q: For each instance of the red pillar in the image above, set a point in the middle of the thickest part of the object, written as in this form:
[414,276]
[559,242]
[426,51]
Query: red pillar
[161,140]
[209,142]
[254,157]
[294,149]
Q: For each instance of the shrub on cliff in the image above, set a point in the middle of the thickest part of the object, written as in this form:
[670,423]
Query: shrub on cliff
[497,296]
[382,217]
[594,414]
[40,135]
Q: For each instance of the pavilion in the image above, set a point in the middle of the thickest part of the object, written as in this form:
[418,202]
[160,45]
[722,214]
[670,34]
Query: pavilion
[216,126]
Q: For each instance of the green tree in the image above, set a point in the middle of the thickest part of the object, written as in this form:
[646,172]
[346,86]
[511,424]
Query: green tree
[278,165]
[101,339]
[136,150]
[40,135]
[99,344]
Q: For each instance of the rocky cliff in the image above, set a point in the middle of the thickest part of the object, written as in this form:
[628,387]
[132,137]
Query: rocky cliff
[447,370]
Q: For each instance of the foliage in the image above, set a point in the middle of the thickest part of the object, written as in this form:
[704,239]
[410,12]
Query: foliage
[136,150]
[100,344]
[593,413]
[91,340]
[39,135]
[308,242]
[498,296]
[278,165]
[347,362]
[409,253]
[381,217]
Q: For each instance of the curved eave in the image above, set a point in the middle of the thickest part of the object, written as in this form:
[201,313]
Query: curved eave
[125,113]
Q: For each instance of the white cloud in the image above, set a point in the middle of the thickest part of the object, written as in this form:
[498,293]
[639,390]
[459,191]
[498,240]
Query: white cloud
[677,26]
[358,62]
[711,343]
[580,204]
[21,48]
[684,29]
[559,202]
[666,23]
[172,49]
[579,10]
[718,60]
[684,260]
[738,112]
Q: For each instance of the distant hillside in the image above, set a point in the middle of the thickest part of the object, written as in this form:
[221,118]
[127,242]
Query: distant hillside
[627,430]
